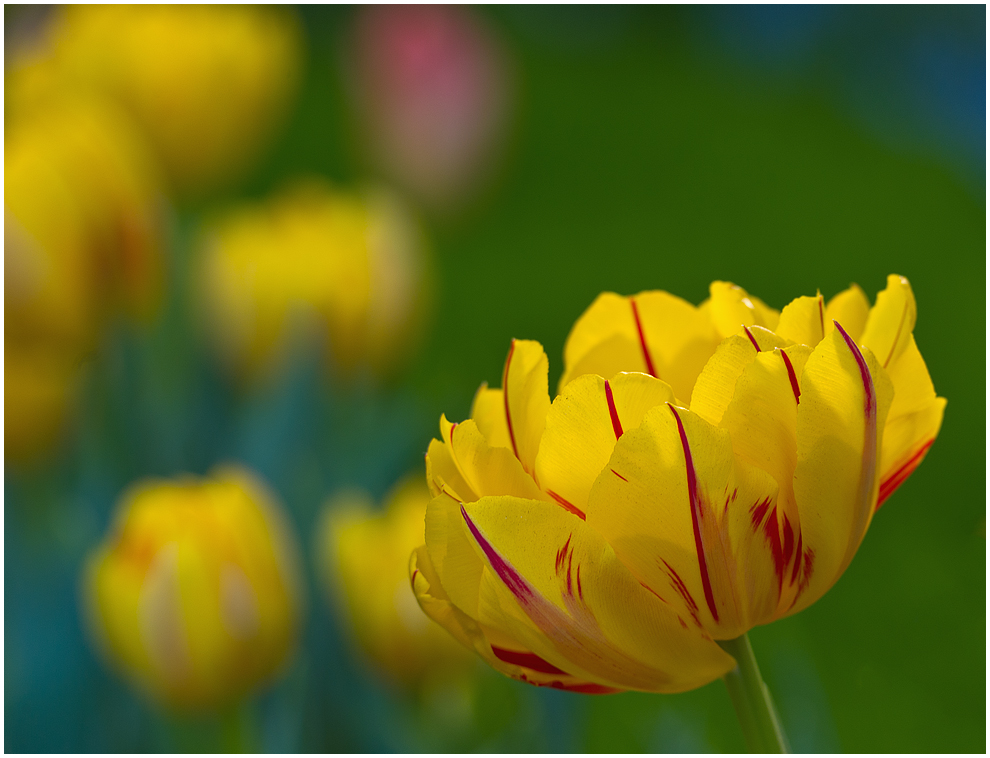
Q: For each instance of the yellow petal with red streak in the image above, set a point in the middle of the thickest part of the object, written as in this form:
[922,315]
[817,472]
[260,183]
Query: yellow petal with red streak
[501,652]
[913,423]
[452,555]
[602,341]
[558,588]
[845,398]
[653,332]
[583,424]
[762,422]
[661,503]
[716,384]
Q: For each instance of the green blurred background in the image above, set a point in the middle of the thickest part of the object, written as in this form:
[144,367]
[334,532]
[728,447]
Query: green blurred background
[785,149]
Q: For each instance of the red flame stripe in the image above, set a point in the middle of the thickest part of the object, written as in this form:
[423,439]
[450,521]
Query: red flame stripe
[612,412]
[752,338]
[568,506]
[505,398]
[792,377]
[530,660]
[642,339]
[889,485]
[695,500]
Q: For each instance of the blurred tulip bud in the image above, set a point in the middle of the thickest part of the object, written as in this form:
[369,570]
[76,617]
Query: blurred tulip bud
[195,591]
[314,264]
[431,83]
[82,240]
[209,84]
[365,552]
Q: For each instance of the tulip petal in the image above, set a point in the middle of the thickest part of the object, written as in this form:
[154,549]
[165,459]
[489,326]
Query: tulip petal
[675,336]
[442,473]
[602,341]
[845,398]
[500,652]
[891,321]
[487,470]
[716,384]
[762,422]
[488,412]
[653,332]
[731,307]
[913,423]
[452,554]
[661,503]
[803,321]
[577,607]
[525,399]
[436,603]
[851,309]
[582,426]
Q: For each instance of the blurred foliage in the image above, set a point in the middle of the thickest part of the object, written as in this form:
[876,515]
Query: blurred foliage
[644,153]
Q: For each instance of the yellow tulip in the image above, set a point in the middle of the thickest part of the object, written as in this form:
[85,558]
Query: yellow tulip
[314,263]
[82,239]
[366,561]
[195,592]
[703,470]
[82,219]
[207,83]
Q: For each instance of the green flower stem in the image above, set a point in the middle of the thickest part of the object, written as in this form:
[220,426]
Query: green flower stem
[752,701]
[238,731]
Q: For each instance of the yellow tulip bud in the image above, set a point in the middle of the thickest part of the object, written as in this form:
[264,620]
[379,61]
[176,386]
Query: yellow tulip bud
[207,83]
[703,470]
[365,554]
[195,592]
[314,264]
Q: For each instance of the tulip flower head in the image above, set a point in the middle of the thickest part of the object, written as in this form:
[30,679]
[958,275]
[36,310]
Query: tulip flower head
[194,594]
[314,263]
[366,556]
[702,470]
[208,84]
[82,242]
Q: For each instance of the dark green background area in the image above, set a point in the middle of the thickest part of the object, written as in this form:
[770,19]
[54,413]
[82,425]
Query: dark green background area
[640,158]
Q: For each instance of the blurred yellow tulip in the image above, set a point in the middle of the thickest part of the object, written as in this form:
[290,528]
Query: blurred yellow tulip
[207,83]
[82,240]
[314,264]
[365,552]
[195,591]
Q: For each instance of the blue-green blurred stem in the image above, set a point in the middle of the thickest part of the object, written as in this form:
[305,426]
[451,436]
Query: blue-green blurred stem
[752,701]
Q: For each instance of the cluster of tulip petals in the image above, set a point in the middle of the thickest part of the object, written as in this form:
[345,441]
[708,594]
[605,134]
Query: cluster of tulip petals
[702,470]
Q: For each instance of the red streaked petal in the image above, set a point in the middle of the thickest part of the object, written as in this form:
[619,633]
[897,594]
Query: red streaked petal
[695,501]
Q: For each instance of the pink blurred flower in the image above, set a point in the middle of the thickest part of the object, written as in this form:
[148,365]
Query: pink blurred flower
[432,86]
